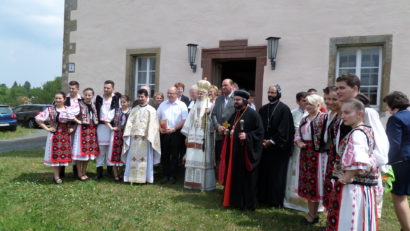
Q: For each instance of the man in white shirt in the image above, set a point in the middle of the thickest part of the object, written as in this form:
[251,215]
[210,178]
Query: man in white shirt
[172,114]
[105,106]
[72,102]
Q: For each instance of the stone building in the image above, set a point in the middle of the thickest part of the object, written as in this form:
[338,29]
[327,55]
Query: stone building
[144,42]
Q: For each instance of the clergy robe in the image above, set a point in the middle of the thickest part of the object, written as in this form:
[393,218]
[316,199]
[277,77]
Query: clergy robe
[199,161]
[279,129]
[239,160]
[142,149]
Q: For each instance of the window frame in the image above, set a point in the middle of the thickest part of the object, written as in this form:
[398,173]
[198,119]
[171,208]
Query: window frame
[383,41]
[358,68]
[147,76]
[130,69]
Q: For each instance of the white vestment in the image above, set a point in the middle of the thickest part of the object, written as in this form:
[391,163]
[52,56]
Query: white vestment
[142,148]
[199,163]
[292,199]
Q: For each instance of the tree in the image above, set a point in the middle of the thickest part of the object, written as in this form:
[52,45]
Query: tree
[14,84]
[46,93]
[27,85]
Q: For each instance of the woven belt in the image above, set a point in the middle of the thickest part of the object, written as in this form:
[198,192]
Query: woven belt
[194,145]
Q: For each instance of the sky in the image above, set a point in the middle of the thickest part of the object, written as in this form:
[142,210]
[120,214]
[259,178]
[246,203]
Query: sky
[31,41]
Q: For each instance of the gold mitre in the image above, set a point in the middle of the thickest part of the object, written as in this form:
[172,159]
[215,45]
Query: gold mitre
[203,85]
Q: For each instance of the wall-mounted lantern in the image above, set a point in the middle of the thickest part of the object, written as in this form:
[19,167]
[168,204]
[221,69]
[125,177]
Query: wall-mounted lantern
[273,43]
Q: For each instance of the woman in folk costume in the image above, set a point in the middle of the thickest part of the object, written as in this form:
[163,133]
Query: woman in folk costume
[312,163]
[142,146]
[334,114]
[199,168]
[353,201]
[85,143]
[58,147]
[117,127]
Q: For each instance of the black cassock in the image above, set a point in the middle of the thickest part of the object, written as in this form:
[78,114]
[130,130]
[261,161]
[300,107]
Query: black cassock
[278,126]
[239,160]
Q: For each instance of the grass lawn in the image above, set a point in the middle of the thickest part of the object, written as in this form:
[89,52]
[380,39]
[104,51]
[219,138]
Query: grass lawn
[20,131]
[29,201]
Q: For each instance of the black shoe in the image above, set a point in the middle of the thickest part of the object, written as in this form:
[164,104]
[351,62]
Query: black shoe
[99,173]
[164,180]
[172,180]
[110,171]
[62,172]
[314,221]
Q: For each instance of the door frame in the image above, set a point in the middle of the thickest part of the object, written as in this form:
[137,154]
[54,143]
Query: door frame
[236,49]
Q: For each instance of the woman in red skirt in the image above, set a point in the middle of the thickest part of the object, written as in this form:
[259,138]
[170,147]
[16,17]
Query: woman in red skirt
[117,127]
[58,148]
[309,138]
[333,105]
[85,144]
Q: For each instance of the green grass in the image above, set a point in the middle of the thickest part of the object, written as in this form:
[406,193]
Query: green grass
[20,132]
[29,201]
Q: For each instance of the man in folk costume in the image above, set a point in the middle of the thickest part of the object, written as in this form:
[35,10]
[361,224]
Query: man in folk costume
[199,162]
[348,87]
[72,102]
[241,153]
[105,106]
[277,148]
[141,142]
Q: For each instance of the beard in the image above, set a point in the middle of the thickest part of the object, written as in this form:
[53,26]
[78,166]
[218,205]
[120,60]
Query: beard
[272,98]
[238,106]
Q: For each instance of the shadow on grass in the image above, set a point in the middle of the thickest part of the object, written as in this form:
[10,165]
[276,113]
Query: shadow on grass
[25,154]
[263,218]
[44,178]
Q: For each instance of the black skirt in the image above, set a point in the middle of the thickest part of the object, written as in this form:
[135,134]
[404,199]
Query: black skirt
[401,185]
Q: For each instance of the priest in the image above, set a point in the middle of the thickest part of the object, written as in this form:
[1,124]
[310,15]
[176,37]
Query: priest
[241,152]
[142,149]
[277,148]
[199,161]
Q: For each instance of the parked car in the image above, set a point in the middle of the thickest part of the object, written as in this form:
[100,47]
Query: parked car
[26,114]
[7,118]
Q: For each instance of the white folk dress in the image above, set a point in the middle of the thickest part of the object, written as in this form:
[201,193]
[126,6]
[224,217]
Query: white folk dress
[199,162]
[58,144]
[353,206]
[142,148]
[84,142]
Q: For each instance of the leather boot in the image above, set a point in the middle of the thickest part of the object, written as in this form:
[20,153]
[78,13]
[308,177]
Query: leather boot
[62,172]
[109,171]
[99,173]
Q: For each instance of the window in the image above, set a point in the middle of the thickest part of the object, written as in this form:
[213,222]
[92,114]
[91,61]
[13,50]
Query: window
[145,73]
[369,57]
[365,62]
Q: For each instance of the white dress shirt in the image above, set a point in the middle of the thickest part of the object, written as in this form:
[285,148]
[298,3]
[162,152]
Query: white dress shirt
[172,112]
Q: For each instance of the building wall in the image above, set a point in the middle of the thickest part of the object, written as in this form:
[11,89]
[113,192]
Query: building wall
[106,29]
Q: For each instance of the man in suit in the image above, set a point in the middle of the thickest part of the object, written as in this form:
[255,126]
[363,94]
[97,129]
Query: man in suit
[223,110]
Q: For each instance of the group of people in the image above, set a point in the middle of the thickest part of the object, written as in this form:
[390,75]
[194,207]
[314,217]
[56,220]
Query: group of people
[309,159]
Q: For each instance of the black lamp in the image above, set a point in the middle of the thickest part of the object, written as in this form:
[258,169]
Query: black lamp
[273,43]
[192,55]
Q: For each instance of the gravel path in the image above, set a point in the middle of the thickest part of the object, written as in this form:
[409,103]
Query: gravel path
[33,141]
